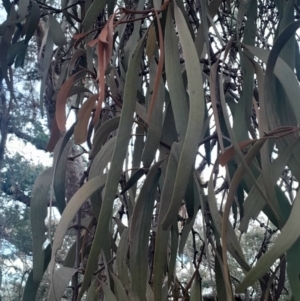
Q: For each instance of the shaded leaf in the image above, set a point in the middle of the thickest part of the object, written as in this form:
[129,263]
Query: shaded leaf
[284,241]
[102,133]
[34,20]
[119,154]
[140,231]
[93,12]
[46,65]
[293,269]
[109,295]
[134,179]
[196,118]
[122,259]
[72,207]
[56,32]
[61,153]
[39,204]
[32,286]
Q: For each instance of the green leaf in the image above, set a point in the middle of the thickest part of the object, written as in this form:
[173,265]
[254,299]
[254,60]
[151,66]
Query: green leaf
[284,241]
[293,269]
[11,22]
[61,153]
[93,12]
[121,293]
[23,7]
[32,286]
[98,165]
[134,179]
[197,194]
[61,279]
[102,133]
[284,73]
[39,204]
[196,118]
[109,296]
[200,38]
[70,211]
[155,123]
[122,140]
[162,236]
[13,51]
[6,4]
[220,285]
[122,259]
[111,6]
[56,32]
[174,78]
[34,20]
[255,202]
[20,59]
[93,292]
[46,65]
[173,252]
[140,231]
[233,244]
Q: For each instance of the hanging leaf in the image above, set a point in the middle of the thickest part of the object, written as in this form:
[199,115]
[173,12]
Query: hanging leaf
[39,204]
[119,154]
[283,242]
[34,21]
[31,287]
[196,118]
[93,12]
[140,231]
[104,51]
[69,213]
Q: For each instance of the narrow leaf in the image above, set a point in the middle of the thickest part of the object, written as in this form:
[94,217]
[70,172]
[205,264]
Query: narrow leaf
[140,231]
[56,32]
[93,12]
[69,213]
[34,20]
[288,236]
[102,133]
[39,204]
[119,154]
[196,117]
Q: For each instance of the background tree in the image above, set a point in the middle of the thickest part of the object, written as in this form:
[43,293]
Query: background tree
[187,116]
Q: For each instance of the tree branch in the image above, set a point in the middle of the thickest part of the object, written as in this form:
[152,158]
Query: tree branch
[16,194]
[19,195]
[36,142]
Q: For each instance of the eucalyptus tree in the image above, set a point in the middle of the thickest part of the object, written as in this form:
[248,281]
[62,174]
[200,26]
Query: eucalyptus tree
[185,114]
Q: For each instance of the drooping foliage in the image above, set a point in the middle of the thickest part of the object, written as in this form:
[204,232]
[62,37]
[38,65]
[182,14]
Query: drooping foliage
[187,113]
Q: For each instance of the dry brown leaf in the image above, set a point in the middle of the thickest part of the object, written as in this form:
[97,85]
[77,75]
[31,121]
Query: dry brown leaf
[104,44]
[55,135]
[62,96]
[230,152]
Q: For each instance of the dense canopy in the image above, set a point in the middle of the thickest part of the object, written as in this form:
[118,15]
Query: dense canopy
[176,159]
